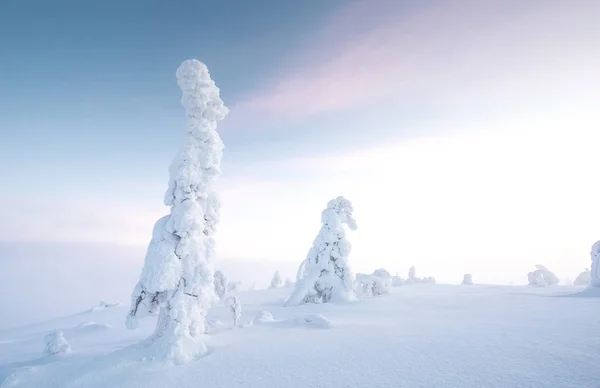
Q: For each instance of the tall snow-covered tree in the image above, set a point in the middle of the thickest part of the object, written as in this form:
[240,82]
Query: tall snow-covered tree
[276,282]
[177,280]
[325,273]
[595,271]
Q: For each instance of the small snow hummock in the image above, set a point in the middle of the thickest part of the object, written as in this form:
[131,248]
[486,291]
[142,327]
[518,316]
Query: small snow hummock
[263,316]
[103,305]
[467,279]
[325,274]
[276,282]
[413,279]
[595,272]
[235,307]
[583,279]
[220,284]
[177,280]
[542,277]
[56,343]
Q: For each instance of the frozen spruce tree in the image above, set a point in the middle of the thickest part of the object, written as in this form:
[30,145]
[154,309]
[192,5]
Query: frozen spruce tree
[56,343]
[325,274]
[177,281]
[276,282]
[595,272]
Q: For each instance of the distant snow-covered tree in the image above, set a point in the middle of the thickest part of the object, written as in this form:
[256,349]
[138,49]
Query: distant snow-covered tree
[397,280]
[276,282]
[429,280]
[220,284]
[289,283]
[378,283]
[412,273]
[235,307]
[595,272]
[177,280]
[56,343]
[467,279]
[325,274]
[583,279]
[542,277]
[234,286]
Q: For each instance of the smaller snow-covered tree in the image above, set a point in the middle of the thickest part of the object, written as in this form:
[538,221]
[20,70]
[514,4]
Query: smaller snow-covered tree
[542,277]
[583,279]
[397,281]
[378,283]
[235,307]
[56,343]
[289,283]
[412,273]
[429,280]
[467,279]
[276,282]
[221,284]
[326,274]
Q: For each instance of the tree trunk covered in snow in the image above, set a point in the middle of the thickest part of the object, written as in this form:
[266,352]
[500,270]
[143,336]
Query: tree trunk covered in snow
[325,274]
[177,279]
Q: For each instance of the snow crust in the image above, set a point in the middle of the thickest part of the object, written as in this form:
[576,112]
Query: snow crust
[425,336]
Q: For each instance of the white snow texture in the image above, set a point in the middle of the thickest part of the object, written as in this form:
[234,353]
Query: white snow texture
[325,274]
[378,283]
[177,278]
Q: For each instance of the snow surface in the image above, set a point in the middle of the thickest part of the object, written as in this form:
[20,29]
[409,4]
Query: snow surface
[419,336]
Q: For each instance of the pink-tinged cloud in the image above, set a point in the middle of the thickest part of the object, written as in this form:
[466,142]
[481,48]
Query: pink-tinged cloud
[373,51]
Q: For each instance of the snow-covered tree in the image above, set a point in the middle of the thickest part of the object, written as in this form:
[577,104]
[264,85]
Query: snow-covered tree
[235,307]
[542,277]
[325,273]
[429,280]
[583,279]
[467,279]
[220,284]
[177,280]
[234,286]
[276,282]
[412,273]
[397,280]
[595,272]
[378,283]
[289,283]
[56,343]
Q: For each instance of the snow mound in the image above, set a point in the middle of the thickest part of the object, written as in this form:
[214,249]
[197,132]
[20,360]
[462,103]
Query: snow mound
[56,343]
[103,305]
[90,327]
[263,316]
[313,320]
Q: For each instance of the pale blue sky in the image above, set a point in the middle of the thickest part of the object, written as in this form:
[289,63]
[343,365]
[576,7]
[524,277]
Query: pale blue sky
[453,126]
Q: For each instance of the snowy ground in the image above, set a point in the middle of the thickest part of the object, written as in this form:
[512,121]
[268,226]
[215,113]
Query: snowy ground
[420,336]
